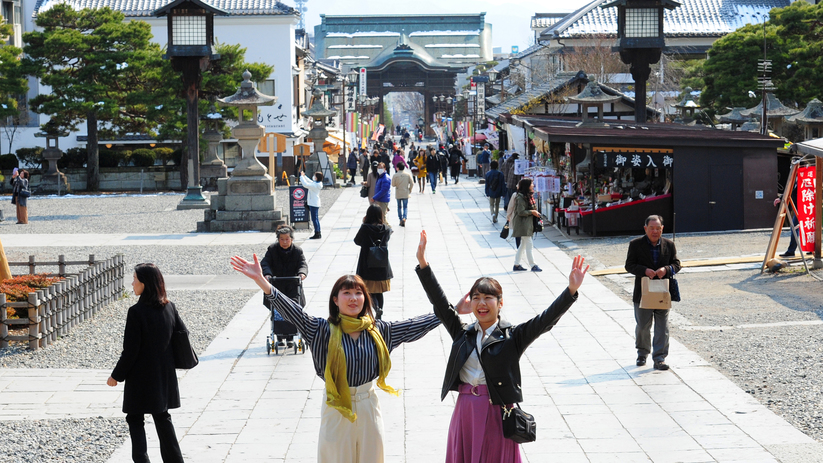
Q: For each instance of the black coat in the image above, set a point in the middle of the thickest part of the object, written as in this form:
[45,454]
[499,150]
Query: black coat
[146,364]
[432,164]
[639,258]
[279,262]
[372,235]
[455,155]
[500,353]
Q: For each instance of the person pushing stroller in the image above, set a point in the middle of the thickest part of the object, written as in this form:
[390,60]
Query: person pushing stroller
[284,259]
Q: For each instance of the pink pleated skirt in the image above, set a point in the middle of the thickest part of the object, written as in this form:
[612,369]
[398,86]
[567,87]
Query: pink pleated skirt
[476,430]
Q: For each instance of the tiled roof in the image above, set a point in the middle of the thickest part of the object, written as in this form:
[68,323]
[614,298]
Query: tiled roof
[145,8]
[546,20]
[693,18]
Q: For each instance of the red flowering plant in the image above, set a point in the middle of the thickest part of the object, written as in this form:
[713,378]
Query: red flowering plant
[17,289]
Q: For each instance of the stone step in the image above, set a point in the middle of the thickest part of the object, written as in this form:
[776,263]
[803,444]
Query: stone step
[220,226]
[248,215]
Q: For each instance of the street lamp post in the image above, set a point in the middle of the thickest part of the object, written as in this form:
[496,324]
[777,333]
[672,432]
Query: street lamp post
[191,49]
[640,41]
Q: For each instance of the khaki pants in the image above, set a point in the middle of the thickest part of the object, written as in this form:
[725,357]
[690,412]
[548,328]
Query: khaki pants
[22,214]
[342,441]
[384,207]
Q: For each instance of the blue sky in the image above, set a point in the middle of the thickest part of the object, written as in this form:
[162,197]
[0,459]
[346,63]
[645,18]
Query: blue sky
[509,18]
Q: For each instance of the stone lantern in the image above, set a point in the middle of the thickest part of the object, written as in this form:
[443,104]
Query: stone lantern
[811,119]
[734,118]
[246,200]
[53,179]
[686,107]
[592,96]
[213,167]
[318,161]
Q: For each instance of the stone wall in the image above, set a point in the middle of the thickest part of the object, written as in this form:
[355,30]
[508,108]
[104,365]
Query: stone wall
[156,178]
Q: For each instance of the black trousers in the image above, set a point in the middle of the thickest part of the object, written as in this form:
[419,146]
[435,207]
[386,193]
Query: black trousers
[169,447]
[455,171]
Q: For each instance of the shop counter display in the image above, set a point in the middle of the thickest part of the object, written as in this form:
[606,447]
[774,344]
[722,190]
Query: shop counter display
[627,217]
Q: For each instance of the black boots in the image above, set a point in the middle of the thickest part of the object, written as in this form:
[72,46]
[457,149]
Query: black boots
[316,236]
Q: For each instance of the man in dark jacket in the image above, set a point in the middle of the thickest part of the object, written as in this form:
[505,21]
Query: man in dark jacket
[495,188]
[455,155]
[284,259]
[433,169]
[511,178]
[651,256]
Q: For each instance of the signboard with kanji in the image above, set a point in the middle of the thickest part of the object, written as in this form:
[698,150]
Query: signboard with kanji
[635,160]
[805,207]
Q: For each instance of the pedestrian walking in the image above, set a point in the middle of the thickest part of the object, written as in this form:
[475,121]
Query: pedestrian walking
[651,256]
[522,224]
[20,196]
[403,184]
[483,365]
[313,200]
[432,169]
[382,189]
[444,163]
[351,422]
[484,159]
[147,365]
[455,155]
[422,171]
[364,164]
[399,157]
[15,176]
[495,188]
[374,232]
[511,178]
[352,163]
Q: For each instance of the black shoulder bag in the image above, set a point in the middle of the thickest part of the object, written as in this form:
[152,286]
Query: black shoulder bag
[185,358]
[518,425]
[378,256]
[674,288]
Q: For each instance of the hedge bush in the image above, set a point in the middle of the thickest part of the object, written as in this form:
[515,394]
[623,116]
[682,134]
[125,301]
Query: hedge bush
[163,154]
[31,156]
[143,157]
[73,158]
[112,158]
[8,162]
[17,289]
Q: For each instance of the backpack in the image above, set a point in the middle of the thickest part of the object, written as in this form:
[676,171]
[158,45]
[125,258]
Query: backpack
[494,181]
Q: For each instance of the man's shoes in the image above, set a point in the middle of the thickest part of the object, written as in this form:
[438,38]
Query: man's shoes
[494,220]
[641,360]
[316,236]
[402,223]
[434,192]
[536,269]
[518,268]
[786,254]
[660,365]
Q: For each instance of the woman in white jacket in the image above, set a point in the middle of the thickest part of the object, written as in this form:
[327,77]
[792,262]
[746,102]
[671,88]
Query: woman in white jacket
[314,187]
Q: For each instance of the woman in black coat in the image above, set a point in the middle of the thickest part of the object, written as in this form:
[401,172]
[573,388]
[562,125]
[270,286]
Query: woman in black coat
[285,259]
[374,232]
[147,365]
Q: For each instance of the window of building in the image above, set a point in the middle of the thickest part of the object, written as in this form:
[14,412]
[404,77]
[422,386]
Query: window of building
[267,87]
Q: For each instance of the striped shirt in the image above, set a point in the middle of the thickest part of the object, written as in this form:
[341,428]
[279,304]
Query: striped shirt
[361,354]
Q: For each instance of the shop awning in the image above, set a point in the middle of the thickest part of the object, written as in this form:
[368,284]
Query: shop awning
[813,147]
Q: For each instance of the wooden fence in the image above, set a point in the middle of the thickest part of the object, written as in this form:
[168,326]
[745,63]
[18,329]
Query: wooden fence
[54,311]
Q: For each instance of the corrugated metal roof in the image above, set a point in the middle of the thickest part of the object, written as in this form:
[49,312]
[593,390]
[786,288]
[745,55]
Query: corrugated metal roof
[145,8]
[693,18]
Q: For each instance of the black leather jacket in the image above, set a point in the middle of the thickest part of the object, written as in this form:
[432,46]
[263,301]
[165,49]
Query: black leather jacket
[500,353]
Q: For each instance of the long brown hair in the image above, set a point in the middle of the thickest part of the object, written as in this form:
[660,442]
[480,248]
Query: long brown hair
[348,282]
[154,291]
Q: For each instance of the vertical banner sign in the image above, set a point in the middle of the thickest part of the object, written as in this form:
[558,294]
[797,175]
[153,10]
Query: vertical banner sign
[297,204]
[351,97]
[805,207]
[363,90]
[481,102]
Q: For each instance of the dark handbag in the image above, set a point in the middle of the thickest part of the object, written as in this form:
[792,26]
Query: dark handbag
[364,191]
[378,256]
[24,193]
[538,224]
[518,425]
[674,288]
[504,233]
[185,358]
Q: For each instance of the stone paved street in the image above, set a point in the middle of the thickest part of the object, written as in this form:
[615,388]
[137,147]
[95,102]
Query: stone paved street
[591,403]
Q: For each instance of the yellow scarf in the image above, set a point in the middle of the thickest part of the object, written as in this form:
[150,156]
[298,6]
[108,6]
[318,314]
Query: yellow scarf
[337,387]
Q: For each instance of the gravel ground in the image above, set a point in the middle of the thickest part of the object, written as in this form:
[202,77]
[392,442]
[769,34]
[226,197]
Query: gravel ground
[117,213]
[37,441]
[781,366]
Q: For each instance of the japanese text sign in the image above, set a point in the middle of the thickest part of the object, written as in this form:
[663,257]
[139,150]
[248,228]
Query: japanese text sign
[805,207]
[635,160]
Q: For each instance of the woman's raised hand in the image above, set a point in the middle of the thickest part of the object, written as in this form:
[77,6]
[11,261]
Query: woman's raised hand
[251,270]
[577,274]
[421,250]
[464,305]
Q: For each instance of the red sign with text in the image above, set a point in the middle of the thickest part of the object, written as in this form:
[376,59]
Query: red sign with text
[805,207]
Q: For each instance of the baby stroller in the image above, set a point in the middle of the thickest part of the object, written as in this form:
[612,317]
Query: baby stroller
[284,334]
